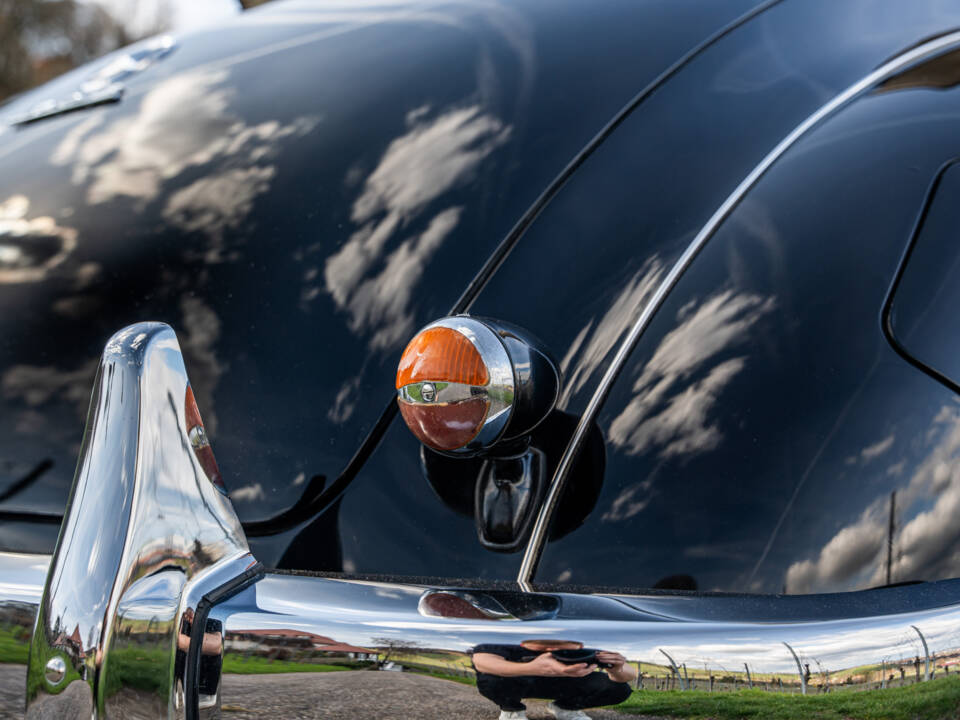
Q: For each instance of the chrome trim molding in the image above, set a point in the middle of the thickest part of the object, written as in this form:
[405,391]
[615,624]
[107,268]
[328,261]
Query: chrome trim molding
[146,534]
[531,557]
[286,622]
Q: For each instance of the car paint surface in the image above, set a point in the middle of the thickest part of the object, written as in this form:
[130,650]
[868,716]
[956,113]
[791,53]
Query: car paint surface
[296,192]
[297,231]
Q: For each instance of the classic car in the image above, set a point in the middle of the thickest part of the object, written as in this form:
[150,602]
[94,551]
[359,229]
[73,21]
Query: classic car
[612,338]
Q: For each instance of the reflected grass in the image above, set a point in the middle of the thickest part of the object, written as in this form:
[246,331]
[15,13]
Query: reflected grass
[932,700]
[14,645]
[239,665]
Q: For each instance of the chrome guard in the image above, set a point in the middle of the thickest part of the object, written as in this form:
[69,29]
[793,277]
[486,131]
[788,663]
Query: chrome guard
[865,641]
[145,536]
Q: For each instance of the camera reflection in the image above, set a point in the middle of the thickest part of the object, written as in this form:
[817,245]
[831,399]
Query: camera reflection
[564,672]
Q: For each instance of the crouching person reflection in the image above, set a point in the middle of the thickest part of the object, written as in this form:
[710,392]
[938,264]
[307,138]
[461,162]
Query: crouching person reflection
[571,677]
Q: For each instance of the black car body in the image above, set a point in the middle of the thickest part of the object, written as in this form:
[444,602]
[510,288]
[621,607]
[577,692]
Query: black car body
[730,223]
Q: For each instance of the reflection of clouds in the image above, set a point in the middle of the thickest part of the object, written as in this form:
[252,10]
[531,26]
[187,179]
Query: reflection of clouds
[872,451]
[675,419]
[36,385]
[846,555]
[181,123]
[201,332]
[30,248]
[926,547]
[433,157]
[626,504]
[247,493]
[345,401]
[355,615]
[216,203]
[383,301]
[634,296]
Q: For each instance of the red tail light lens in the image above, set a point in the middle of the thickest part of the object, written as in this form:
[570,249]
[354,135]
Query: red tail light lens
[448,426]
[199,442]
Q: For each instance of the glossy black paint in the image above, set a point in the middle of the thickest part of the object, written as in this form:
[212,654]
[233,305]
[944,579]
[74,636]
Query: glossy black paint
[300,193]
[764,426]
[580,273]
[295,192]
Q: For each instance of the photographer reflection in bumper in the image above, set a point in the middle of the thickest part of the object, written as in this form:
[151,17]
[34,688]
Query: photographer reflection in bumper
[570,676]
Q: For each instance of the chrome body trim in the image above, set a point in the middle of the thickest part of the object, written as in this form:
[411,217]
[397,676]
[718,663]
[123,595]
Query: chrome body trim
[531,557]
[106,85]
[146,534]
[672,640]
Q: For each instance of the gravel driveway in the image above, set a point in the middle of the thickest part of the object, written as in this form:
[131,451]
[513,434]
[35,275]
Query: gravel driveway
[332,696]
[347,696]
[13,681]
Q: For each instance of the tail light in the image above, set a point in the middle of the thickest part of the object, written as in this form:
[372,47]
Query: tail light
[199,441]
[464,384]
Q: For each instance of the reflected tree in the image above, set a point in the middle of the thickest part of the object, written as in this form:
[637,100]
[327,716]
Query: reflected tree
[390,647]
[40,39]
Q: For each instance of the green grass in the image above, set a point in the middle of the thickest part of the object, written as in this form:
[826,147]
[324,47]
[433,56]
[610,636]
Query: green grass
[934,700]
[438,673]
[253,665]
[14,645]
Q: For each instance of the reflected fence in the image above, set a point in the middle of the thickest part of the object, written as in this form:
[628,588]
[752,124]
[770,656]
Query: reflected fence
[909,661]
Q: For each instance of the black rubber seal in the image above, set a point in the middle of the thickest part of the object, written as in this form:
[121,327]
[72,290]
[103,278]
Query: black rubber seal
[886,313]
[207,602]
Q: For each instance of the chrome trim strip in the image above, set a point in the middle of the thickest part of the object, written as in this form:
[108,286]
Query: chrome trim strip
[144,525]
[287,622]
[531,556]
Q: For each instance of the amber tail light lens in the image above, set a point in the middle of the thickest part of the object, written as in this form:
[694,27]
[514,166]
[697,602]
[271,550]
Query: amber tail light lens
[441,354]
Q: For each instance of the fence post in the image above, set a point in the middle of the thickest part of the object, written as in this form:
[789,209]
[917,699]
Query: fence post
[676,670]
[926,654]
[803,678]
[749,679]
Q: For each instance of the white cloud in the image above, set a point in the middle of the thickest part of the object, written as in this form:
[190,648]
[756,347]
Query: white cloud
[926,546]
[877,449]
[668,415]
[604,337]
[247,493]
[627,503]
[433,157]
[30,248]
[183,122]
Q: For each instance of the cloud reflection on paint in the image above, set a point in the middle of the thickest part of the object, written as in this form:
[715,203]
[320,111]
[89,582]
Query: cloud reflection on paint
[182,123]
[593,344]
[434,156]
[30,247]
[679,386]
[926,543]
